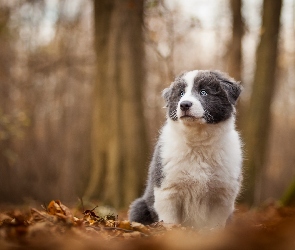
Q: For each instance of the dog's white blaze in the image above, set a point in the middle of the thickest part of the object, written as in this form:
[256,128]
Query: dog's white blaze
[189,78]
[196,109]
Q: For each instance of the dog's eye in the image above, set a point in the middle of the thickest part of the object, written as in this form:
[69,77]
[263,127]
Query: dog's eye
[203,92]
[181,93]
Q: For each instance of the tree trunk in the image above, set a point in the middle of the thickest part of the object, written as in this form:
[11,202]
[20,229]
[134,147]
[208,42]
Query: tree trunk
[259,116]
[235,52]
[8,172]
[119,145]
[235,47]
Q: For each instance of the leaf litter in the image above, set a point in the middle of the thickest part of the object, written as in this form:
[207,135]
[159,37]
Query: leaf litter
[56,227]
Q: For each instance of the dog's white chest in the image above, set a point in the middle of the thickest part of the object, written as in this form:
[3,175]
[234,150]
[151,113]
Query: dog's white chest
[190,171]
[194,177]
[185,162]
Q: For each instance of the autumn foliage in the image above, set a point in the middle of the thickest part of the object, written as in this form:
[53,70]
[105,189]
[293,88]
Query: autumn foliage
[56,227]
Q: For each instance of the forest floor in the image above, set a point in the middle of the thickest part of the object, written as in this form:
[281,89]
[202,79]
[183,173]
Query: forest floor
[57,227]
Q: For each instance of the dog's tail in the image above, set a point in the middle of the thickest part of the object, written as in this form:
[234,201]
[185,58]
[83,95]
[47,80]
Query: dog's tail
[141,212]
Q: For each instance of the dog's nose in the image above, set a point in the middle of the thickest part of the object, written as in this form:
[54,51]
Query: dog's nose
[185,105]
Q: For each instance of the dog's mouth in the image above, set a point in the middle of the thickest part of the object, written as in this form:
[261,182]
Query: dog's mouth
[187,117]
[190,117]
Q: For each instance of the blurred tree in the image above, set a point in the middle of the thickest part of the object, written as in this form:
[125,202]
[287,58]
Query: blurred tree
[257,123]
[235,45]
[119,145]
[6,124]
[45,85]
[234,53]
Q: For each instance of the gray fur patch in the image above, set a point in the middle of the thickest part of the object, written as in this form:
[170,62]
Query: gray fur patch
[142,209]
[172,96]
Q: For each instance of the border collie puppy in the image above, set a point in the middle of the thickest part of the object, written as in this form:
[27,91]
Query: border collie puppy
[195,174]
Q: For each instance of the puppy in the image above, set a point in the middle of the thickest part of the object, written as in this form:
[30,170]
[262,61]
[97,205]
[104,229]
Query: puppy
[195,173]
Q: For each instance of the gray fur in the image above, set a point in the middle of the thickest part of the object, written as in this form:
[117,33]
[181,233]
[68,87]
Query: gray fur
[172,95]
[232,88]
[142,209]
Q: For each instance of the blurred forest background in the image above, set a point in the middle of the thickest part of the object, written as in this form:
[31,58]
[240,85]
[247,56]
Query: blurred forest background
[81,82]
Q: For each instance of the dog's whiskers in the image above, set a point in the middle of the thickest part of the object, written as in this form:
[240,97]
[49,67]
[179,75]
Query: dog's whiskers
[173,114]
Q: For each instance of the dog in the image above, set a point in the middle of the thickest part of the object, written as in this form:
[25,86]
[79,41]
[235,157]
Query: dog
[195,173]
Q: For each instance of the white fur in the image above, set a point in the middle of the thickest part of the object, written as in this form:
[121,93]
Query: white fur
[189,78]
[202,168]
[196,110]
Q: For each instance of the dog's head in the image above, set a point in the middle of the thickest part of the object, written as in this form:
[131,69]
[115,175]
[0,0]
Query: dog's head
[202,96]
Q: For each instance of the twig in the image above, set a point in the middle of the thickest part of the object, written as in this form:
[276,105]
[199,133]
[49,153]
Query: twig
[117,228]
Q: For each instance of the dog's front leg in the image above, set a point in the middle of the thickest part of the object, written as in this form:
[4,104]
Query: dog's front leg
[167,205]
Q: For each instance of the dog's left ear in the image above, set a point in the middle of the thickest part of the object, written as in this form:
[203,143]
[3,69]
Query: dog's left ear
[230,86]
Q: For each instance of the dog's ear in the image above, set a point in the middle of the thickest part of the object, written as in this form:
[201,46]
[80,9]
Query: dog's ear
[166,94]
[233,90]
[230,86]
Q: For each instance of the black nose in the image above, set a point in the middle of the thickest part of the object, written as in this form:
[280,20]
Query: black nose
[185,105]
